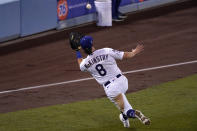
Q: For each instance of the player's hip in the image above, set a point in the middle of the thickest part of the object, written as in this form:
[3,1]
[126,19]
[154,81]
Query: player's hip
[116,86]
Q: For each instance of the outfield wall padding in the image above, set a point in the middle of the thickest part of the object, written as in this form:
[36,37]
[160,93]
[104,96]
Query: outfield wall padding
[19,18]
[38,16]
[9,19]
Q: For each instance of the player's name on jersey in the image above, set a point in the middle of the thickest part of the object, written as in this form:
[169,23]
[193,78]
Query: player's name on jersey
[95,60]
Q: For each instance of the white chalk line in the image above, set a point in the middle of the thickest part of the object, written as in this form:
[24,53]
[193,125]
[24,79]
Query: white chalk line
[90,78]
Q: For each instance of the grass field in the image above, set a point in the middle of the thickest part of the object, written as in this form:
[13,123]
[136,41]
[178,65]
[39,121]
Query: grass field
[171,106]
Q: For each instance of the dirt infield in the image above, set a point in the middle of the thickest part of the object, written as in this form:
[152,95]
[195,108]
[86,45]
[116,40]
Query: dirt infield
[168,33]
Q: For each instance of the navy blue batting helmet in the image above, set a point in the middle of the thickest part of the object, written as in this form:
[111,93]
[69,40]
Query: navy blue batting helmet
[86,42]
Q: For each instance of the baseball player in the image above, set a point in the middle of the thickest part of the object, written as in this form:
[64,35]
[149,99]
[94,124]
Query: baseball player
[101,64]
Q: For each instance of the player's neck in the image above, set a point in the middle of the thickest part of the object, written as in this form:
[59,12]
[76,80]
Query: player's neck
[93,49]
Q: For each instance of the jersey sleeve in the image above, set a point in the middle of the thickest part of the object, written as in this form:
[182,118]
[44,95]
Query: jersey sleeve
[115,53]
[82,67]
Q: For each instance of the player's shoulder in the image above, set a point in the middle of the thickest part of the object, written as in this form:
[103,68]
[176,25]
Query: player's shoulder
[81,66]
[82,62]
[104,50]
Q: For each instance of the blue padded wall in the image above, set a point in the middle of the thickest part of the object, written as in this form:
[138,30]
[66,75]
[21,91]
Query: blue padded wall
[38,16]
[9,19]
[27,17]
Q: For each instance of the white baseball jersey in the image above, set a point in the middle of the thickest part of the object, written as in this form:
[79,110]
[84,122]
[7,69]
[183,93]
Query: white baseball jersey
[102,64]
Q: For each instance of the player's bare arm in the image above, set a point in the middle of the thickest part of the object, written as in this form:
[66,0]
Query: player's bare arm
[134,52]
[79,60]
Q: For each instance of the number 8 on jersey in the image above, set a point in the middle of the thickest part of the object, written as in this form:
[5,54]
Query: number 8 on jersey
[101,70]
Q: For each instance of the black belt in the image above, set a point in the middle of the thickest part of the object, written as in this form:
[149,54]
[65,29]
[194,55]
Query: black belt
[108,82]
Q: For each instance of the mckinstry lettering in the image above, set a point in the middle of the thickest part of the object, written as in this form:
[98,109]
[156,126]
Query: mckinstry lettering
[96,60]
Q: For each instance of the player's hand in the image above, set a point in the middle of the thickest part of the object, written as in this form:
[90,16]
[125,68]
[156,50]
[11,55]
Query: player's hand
[138,49]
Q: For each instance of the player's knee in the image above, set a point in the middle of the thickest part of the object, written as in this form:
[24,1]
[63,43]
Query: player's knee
[131,113]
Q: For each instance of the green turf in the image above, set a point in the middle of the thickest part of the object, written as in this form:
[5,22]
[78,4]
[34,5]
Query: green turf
[171,106]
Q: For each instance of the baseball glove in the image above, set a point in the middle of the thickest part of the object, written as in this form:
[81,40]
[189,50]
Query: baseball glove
[74,39]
